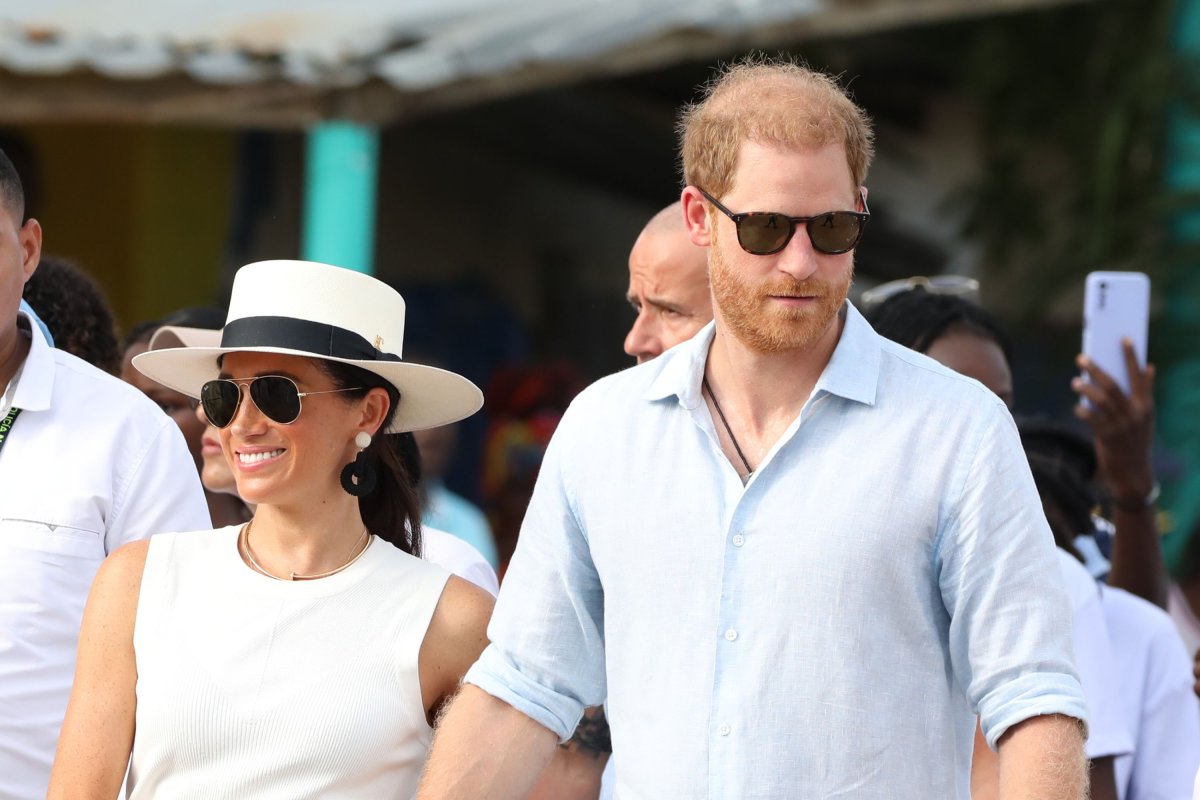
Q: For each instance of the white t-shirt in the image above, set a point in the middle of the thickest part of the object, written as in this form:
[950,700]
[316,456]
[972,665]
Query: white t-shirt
[1108,733]
[459,558]
[90,464]
[1161,709]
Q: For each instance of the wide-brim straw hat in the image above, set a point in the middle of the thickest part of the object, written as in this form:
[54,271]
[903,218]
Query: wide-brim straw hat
[302,308]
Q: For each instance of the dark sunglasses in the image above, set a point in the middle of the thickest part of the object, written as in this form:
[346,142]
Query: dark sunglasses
[277,397]
[763,233]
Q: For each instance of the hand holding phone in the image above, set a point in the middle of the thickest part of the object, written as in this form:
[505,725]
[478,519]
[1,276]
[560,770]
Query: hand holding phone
[1116,307]
[1116,386]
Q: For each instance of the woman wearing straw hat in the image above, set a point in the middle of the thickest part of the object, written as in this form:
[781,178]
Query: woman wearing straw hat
[297,655]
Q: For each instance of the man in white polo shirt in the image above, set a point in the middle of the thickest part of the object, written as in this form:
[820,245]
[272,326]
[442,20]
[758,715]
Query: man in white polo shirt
[87,463]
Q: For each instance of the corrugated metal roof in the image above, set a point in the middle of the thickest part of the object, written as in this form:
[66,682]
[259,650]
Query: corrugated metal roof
[412,44]
[218,41]
[415,46]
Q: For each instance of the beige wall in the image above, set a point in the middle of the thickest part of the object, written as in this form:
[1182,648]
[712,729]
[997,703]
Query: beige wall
[145,210]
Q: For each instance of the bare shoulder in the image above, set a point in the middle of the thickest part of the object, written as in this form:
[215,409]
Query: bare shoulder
[462,615]
[457,635]
[122,570]
[113,599]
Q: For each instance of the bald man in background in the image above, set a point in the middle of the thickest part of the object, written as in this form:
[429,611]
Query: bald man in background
[668,286]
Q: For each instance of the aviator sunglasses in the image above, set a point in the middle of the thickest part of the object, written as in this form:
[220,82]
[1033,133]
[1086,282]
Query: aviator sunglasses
[277,397]
[764,233]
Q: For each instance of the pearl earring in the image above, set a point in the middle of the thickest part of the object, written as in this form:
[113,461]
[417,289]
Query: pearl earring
[358,477]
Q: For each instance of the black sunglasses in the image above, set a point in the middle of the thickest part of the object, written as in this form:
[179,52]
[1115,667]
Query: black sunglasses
[763,233]
[276,396]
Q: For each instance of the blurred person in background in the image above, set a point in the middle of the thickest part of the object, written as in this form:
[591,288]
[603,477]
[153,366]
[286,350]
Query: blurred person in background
[73,306]
[1161,711]
[668,286]
[525,403]
[443,509]
[317,619]
[204,441]
[658,561]
[1124,680]
[87,463]
[960,334]
[199,325]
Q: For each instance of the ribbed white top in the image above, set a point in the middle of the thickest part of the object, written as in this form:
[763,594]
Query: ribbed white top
[250,687]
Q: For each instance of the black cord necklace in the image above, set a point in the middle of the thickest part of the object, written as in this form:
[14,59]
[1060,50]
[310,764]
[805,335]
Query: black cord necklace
[725,422]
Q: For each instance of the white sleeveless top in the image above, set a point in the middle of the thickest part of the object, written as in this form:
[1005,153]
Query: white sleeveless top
[250,687]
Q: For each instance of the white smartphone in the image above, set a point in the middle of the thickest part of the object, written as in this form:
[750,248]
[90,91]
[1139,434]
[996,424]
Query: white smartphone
[1116,306]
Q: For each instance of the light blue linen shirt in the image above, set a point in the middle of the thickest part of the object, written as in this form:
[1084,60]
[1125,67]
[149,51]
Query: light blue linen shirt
[828,629]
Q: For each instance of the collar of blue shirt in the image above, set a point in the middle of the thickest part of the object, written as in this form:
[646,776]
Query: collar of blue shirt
[852,372]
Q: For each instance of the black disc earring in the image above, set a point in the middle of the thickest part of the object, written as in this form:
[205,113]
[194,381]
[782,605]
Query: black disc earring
[358,477]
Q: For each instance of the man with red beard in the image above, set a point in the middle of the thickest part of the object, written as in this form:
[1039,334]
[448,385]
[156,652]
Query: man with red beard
[796,559]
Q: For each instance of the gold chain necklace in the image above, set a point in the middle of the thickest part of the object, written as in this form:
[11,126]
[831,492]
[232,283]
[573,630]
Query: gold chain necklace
[244,547]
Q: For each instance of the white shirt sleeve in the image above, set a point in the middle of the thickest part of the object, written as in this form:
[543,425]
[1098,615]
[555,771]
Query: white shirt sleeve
[161,493]
[459,558]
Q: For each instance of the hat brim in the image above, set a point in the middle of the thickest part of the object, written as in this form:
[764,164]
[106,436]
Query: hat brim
[169,336]
[429,396]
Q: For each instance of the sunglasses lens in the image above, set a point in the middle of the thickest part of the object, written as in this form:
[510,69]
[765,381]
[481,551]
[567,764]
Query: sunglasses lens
[220,400]
[276,397]
[835,232]
[762,234]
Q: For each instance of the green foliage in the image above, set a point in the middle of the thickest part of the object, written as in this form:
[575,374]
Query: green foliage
[1074,106]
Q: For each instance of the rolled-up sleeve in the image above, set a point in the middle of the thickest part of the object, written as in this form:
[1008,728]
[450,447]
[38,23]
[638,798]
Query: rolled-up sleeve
[546,658]
[1010,616]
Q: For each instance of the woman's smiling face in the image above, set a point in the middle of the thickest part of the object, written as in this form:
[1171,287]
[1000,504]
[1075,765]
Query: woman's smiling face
[295,463]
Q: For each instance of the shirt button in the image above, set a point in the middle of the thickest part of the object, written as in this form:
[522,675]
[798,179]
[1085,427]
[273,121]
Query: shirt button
[738,540]
[730,635]
[723,729]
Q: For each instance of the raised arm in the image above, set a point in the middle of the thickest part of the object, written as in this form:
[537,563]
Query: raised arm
[1123,427]
[97,734]
[485,748]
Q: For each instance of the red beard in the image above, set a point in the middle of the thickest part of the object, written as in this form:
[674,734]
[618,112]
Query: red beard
[763,325]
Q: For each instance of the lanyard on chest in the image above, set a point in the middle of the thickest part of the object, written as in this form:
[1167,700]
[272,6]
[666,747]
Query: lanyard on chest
[6,425]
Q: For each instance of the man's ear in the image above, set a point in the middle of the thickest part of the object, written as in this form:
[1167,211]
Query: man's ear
[695,216]
[30,238]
